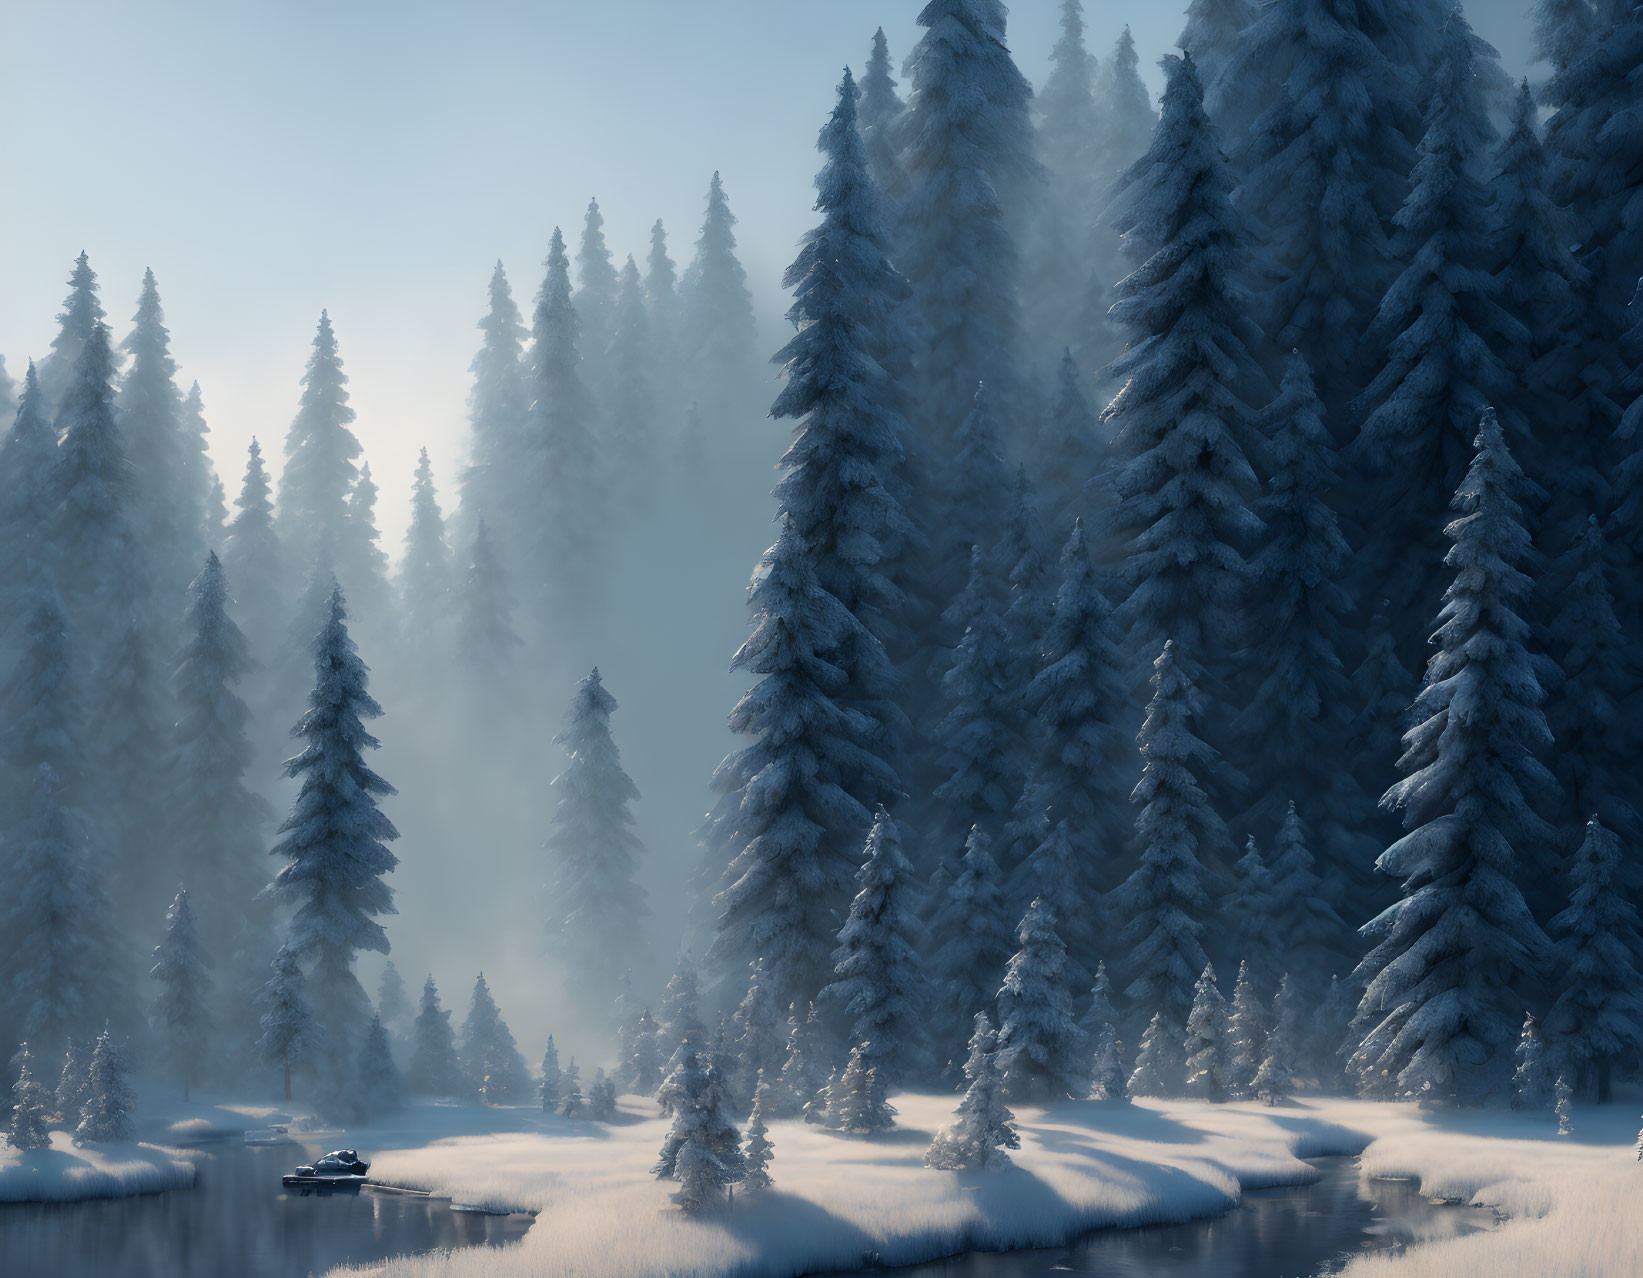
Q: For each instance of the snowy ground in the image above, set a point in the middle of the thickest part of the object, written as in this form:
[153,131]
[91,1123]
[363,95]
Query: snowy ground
[840,1203]
[63,1173]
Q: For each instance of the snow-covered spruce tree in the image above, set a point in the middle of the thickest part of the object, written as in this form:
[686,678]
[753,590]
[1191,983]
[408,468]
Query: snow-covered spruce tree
[1071,446]
[254,560]
[335,841]
[28,1126]
[593,848]
[361,561]
[62,958]
[425,571]
[662,299]
[560,464]
[1077,699]
[1183,420]
[642,1062]
[630,409]
[877,981]
[979,752]
[1246,1037]
[1041,1049]
[1532,1079]
[181,1015]
[757,1150]
[680,1014]
[804,1069]
[1441,323]
[109,1098]
[216,824]
[595,297]
[1451,959]
[761,1037]
[787,825]
[841,475]
[1160,1069]
[1597,157]
[1057,252]
[1127,123]
[817,1111]
[983,1126]
[880,108]
[966,142]
[492,1067]
[1275,1078]
[972,942]
[320,451]
[486,632]
[291,1037]
[717,330]
[72,1081]
[28,458]
[81,314]
[1325,162]
[1100,1026]
[202,477]
[1211,36]
[1177,832]
[1294,726]
[1597,1021]
[1596,739]
[857,1102]
[1563,391]
[1206,1040]
[570,1090]
[392,1005]
[601,1097]
[170,482]
[1309,931]
[380,1085]
[1246,910]
[493,489]
[551,1083]
[434,1068]
[1562,28]
[703,1149]
[1563,1093]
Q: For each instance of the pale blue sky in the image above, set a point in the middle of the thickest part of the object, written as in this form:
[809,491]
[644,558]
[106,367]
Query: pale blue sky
[267,159]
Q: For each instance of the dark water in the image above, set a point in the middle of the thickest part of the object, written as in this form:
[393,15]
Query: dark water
[1294,1232]
[237,1222]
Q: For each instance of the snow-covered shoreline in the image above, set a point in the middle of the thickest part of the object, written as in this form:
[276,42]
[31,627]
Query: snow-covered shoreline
[66,1173]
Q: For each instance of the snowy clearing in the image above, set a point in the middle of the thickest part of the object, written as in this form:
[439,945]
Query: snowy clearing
[840,1203]
[64,1173]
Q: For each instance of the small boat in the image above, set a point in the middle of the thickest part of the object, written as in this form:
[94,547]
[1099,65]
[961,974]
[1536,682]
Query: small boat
[341,1167]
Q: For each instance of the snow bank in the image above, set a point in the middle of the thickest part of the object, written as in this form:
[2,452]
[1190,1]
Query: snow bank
[1575,1203]
[839,1203]
[63,1173]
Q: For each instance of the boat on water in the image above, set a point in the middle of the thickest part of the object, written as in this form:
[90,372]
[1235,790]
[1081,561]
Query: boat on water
[339,1168]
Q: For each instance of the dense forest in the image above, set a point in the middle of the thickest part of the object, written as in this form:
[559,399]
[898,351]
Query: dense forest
[1199,652]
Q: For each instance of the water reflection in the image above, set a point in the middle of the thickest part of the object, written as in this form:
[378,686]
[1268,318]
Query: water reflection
[238,1221]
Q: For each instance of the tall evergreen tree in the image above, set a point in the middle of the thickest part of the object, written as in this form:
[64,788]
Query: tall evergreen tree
[973,941]
[1211,36]
[1275,1079]
[216,824]
[360,559]
[391,1003]
[717,329]
[28,1125]
[841,474]
[880,109]
[320,452]
[131,716]
[1309,929]
[786,819]
[1206,1042]
[761,1038]
[28,458]
[1246,1037]
[1159,1066]
[1071,449]
[1441,323]
[596,292]
[434,1069]
[492,487]
[181,1015]
[254,559]
[109,1098]
[81,314]
[1296,723]
[485,618]
[877,982]
[335,841]
[291,1038]
[1597,1021]
[592,843]
[662,297]
[425,571]
[1179,836]
[702,1150]
[169,480]
[1183,417]
[1041,1049]
[967,152]
[983,1126]
[1127,124]
[1247,909]
[492,1067]
[562,468]
[1451,959]
[630,410]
